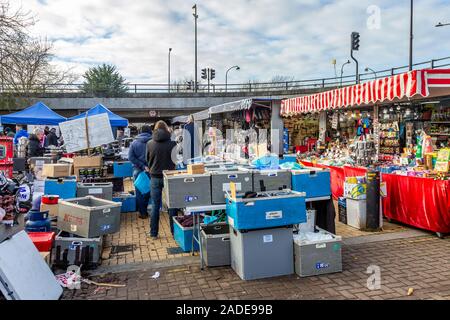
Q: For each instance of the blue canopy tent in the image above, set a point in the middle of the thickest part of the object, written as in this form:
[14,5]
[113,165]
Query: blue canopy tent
[37,114]
[114,119]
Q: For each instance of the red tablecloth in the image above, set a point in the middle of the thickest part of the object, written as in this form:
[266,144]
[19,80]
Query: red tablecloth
[338,175]
[420,202]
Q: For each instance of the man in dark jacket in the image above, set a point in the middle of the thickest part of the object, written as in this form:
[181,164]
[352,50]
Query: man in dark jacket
[52,139]
[137,156]
[159,157]
[34,144]
[20,132]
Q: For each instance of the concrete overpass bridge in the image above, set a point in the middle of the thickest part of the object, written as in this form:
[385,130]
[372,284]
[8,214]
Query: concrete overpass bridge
[147,102]
[140,107]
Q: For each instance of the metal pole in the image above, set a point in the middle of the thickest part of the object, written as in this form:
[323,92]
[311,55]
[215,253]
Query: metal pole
[226,80]
[357,66]
[196,17]
[411,36]
[168,87]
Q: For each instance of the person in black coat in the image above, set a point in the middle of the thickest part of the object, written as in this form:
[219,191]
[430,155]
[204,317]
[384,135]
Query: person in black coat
[159,158]
[52,139]
[35,149]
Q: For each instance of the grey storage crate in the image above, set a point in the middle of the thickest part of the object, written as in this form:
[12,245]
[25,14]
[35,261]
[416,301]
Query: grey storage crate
[89,217]
[215,242]
[318,257]
[98,190]
[263,253]
[271,180]
[187,190]
[220,183]
[70,249]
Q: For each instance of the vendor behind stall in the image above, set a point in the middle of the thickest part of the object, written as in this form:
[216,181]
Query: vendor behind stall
[137,156]
[35,147]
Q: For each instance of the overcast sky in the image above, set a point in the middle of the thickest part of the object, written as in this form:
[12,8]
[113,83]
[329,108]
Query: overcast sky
[297,38]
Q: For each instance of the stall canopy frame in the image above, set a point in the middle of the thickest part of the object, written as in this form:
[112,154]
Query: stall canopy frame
[415,84]
[114,119]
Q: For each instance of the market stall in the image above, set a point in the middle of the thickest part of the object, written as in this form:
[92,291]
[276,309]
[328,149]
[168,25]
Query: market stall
[37,114]
[397,125]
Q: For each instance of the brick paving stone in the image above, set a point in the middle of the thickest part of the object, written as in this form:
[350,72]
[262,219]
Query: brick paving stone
[404,263]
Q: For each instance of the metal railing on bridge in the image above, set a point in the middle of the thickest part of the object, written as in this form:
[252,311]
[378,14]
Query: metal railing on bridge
[249,87]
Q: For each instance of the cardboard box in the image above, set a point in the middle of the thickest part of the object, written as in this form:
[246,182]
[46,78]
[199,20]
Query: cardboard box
[128,185]
[76,171]
[68,161]
[87,162]
[46,257]
[52,209]
[58,170]
[355,191]
[198,168]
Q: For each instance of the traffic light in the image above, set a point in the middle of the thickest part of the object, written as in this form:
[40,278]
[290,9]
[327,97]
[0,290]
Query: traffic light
[213,74]
[204,74]
[355,41]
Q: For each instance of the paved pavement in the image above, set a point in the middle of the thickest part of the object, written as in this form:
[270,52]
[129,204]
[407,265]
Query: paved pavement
[418,261]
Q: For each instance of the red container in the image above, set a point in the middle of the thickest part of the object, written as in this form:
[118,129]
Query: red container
[42,240]
[50,199]
[6,150]
[7,169]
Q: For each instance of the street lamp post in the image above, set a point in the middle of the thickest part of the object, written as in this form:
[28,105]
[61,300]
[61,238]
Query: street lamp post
[371,70]
[440,24]
[195,18]
[342,70]
[226,76]
[411,36]
[168,87]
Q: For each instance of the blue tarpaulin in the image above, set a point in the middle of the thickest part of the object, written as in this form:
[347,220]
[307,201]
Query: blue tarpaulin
[37,114]
[114,119]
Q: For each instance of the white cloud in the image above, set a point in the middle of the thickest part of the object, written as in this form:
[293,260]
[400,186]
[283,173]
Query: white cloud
[265,38]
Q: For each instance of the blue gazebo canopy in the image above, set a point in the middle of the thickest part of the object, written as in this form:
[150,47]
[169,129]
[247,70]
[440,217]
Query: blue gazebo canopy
[37,114]
[114,119]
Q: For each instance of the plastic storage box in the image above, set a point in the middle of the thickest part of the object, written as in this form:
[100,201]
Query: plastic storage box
[316,257]
[98,190]
[268,210]
[73,250]
[183,236]
[183,190]
[269,180]
[123,169]
[42,240]
[262,253]
[215,240]
[128,202]
[356,213]
[316,182]
[64,188]
[89,217]
[220,183]
[288,158]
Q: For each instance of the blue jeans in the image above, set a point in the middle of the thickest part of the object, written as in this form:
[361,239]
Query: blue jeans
[142,200]
[157,184]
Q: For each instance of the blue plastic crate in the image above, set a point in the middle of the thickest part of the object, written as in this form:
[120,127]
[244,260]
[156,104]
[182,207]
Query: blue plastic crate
[183,236]
[128,203]
[288,158]
[281,208]
[64,188]
[123,169]
[314,181]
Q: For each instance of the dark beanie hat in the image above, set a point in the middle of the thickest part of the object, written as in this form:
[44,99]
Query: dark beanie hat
[146,129]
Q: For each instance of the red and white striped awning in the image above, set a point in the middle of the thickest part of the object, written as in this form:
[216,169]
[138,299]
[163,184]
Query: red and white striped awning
[406,85]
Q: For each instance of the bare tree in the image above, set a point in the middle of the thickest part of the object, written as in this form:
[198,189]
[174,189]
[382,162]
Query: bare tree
[25,62]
